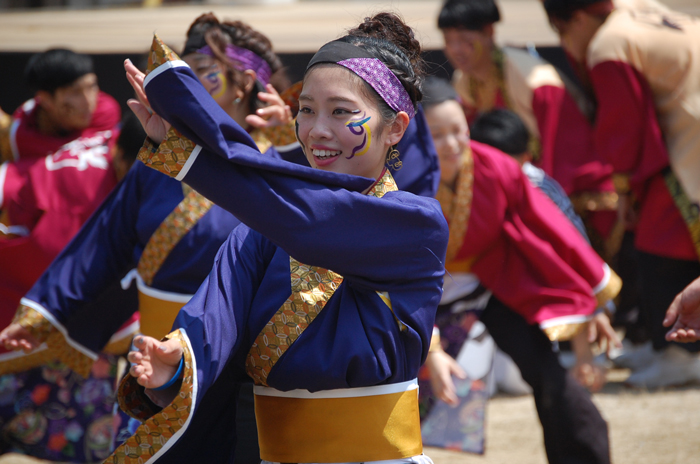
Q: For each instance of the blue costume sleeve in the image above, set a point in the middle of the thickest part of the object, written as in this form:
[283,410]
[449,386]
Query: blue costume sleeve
[318,217]
[420,171]
[100,254]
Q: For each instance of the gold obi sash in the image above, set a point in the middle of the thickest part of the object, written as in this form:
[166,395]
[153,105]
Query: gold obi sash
[157,316]
[157,308]
[346,425]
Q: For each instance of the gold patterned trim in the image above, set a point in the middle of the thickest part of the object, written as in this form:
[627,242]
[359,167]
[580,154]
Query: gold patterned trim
[594,201]
[159,54]
[23,362]
[261,138]
[5,146]
[484,93]
[621,183]
[457,206]
[120,346]
[188,212]
[170,156]
[611,290]
[158,426]
[689,211]
[58,347]
[169,233]
[564,332]
[34,322]
[78,362]
[311,288]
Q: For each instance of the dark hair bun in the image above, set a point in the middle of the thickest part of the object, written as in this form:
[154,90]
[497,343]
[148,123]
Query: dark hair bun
[389,26]
[388,38]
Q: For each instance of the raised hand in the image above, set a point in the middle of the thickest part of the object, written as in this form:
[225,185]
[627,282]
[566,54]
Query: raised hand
[684,315]
[155,362]
[155,126]
[277,113]
[15,337]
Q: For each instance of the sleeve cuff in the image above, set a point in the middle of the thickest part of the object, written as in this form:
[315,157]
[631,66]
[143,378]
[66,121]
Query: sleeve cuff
[171,156]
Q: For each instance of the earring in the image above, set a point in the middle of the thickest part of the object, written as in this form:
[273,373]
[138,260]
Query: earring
[237,101]
[393,159]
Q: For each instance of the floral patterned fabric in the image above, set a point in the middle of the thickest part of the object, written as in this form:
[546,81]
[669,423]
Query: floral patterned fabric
[52,413]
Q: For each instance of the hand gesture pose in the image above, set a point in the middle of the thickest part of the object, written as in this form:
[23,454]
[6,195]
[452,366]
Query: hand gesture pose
[155,126]
[154,364]
[276,113]
[683,316]
[442,367]
[15,337]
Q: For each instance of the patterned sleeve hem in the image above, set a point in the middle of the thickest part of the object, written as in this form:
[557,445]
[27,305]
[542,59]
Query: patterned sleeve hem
[159,425]
[170,156]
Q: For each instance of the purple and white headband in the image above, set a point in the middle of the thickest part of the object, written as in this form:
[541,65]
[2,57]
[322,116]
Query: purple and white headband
[370,69]
[244,59]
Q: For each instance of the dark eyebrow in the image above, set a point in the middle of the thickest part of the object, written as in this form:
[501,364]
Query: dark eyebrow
[307,97]
[341,99]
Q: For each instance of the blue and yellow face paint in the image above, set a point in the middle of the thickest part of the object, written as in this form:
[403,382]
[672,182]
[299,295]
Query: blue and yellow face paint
[218,82]
[360,127]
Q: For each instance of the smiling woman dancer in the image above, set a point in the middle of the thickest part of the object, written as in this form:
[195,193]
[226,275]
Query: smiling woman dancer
[334,354]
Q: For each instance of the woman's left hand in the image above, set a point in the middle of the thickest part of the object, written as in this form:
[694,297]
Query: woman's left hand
[277,113]
[156,127]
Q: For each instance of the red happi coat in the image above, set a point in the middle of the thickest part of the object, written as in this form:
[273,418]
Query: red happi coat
[520,245]
[45,200]
[644,66]
[555,113]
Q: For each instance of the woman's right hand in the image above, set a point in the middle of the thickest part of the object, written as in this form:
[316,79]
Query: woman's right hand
[155,126]
[442,367]
[15,337]
[155,362]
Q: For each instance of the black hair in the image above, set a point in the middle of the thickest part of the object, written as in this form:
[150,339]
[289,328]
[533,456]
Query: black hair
[56,68]
[131,137]
[437,90]
[502,129]
[564,9]
[473,15]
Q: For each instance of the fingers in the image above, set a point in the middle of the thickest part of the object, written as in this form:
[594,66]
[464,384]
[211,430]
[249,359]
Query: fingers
[271,96]
[256,121]
[270,116]
[672,311]
[15,337]
[136,79]
[140,111]
[457,371]
[138,89]
[449,391]
[592,332]
[683,335]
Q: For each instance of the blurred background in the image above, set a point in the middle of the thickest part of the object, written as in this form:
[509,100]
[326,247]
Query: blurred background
[112,30]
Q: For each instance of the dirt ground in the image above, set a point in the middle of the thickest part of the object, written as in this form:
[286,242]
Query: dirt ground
[659,427]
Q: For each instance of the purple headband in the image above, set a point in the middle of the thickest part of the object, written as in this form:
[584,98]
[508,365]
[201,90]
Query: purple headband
[244,59]
[371,70]
[385,82]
